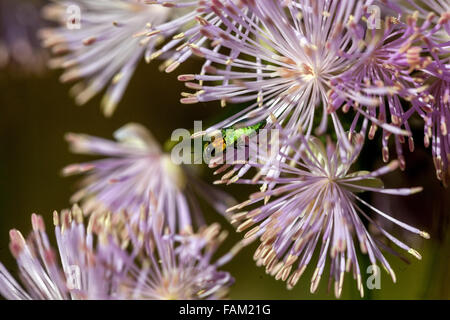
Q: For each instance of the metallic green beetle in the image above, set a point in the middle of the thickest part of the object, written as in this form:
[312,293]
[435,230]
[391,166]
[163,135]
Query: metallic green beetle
[230,137]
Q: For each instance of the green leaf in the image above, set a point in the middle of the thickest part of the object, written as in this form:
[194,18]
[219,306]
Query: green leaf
[367,182]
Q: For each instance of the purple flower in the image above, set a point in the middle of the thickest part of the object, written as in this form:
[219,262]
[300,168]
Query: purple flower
[98,42]
[436,10]
[176,267]
[436,116]
[137,173]
[83,267]
[19,46]
[433,102]
[282,60]
[114,35]
[385,73]
[114,259]
[316,199]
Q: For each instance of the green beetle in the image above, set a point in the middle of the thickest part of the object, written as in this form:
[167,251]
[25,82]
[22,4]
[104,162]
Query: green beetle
[231,136]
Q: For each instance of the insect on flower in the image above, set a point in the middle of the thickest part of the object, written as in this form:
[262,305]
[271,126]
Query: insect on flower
[282,62]
[232,149]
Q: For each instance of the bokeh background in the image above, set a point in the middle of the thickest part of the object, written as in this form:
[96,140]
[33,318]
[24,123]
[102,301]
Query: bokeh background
[36,111]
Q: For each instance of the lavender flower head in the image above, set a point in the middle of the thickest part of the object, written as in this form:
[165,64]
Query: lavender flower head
[316,200]
[435,10]
[136,171]
[281,61]
[113,259]
[408,60]
[121,33]
[433,105]
[97,42]
[83,267]
[176,267]
[19,45]
[386,71]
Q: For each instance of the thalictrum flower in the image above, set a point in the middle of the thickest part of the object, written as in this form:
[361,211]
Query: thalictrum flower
[437,121]
[436,101]
[135,171]
[112,258]
[437,10]
[386,71]
[433,103]
[114,35]
[316,199]
[84,266]
[176,267]
[282,61]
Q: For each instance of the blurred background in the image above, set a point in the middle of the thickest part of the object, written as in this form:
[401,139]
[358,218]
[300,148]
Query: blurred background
[36,111]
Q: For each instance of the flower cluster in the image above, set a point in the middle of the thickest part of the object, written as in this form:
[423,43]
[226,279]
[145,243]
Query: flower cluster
[298,60]
[302,71]
[110,38]
[136,174]
[315,199]
[103,261]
